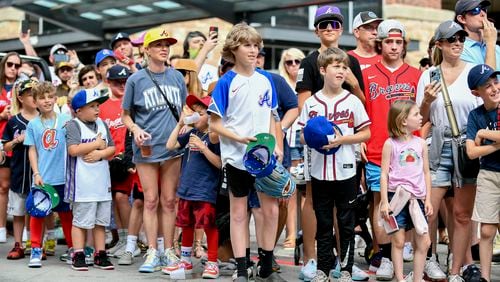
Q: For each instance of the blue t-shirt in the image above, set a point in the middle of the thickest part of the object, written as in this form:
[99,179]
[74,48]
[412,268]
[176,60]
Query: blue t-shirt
[20,169]
[199,178]
[479,118]
[475,52]
[49,139]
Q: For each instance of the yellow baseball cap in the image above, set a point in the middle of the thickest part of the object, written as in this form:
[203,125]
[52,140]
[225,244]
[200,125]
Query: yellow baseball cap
[156,34]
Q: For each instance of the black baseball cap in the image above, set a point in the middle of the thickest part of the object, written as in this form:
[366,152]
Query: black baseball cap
[119,36]
[118,72]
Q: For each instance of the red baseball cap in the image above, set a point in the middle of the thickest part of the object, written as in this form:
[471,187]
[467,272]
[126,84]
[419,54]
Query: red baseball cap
[192,99]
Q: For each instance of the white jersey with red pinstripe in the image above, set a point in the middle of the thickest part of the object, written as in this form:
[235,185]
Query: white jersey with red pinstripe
[348,113]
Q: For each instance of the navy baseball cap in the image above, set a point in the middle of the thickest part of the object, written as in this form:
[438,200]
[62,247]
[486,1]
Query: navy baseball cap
[479,75]
[103,54]
[117,72]
[328,13]
[316,134]
[462,6]
[119,36]
[86,96]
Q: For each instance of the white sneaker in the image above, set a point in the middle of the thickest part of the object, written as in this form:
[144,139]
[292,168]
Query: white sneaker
[359,243]
[433,270]
[409,277]
[358,274]
[121,243]
[308,271]
[3,235]
[407,252]
[455,278]
[320,276]
[137,252]
[386,270]
[450,263]
[119,252]
[345,276]
[126,258]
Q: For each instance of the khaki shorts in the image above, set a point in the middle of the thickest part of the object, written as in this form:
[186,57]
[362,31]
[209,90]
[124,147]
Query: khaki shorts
[487,204]
[87,215]
[17,204]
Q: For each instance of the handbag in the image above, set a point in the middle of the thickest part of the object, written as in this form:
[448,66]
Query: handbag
[468,168]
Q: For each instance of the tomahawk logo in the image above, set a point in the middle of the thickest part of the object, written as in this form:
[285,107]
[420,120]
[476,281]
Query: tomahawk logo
[329,11]
[484,68]
[119,35]
[123,72]
[164,33]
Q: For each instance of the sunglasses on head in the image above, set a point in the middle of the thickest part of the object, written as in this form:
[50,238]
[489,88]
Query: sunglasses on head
[11,64]
[333,23]
[291,62]
[476,11]
[454,38]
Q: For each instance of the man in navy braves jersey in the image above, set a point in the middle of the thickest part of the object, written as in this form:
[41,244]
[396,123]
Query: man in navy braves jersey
[385,82]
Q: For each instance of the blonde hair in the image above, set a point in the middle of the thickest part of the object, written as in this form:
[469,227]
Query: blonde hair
[240,34]
[194,86]
[294,53]
[437,56]
[16,104]
[41,88]
[331,55]
[398,113]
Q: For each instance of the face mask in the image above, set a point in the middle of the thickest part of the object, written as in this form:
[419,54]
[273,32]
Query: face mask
[195,117]
[193,53]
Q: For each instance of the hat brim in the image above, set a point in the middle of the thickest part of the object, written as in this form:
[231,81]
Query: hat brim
[54,196]
[191,100]
[264,139]
[338,17]
[170,41]
[369,22]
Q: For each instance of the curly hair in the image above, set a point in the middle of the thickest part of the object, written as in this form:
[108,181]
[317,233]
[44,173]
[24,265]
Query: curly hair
[240,33]
[41,88]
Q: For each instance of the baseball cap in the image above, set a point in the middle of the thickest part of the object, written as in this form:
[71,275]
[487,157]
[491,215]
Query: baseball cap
[316,134]
[25,85]
[447,29]
[365,17]
[41,200]
[117,72]
[139,40]
[86,96]
[259,159]
[262,52]
[462,6]
[386,26]
[186,64]
[156,34]
[328,12]
[119,36]
[62,65]
[103,54]
[57,47]
[192,99]
[479,75]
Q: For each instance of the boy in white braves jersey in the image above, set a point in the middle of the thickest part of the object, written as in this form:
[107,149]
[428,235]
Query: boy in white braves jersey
[88,184]
[334,175]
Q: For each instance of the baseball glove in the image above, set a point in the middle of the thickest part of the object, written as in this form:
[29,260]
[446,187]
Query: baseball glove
[278,184]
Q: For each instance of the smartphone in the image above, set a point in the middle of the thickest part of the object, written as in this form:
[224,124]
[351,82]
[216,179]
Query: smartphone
[25,25]
[214,29]
[391,225]
[61,58]
[435,75]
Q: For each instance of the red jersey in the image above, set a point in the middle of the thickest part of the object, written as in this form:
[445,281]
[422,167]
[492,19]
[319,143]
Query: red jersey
[365,62]
[382,87]
[111,114]
[4,102]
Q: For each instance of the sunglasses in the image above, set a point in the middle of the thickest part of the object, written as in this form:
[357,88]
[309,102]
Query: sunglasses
[292,62]
[454,38]
[334,24]
[476,11]
[11,64]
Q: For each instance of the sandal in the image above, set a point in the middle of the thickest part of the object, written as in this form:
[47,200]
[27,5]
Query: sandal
[289,243]
[199,251]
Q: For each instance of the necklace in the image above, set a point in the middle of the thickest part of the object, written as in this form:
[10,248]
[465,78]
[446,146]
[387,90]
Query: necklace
[48,127]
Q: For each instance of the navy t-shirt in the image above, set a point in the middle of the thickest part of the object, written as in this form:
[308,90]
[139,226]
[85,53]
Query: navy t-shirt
[287,99]
[478,119]
[199,178]
[20,175]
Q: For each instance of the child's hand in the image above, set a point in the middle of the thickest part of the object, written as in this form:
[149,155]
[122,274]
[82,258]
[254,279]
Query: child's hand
[362,150]
[385,209]
[428,207]
[100,142]
[38,179]
[246,140]
[335,142]
[196,142]
[278,153]
[92,157]
[479,137]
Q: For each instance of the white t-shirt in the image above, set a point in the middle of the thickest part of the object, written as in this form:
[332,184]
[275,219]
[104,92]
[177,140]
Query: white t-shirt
[349,114]
[461,98]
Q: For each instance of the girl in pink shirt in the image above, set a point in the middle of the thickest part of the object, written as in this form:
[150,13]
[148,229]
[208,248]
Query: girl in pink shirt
[405,164]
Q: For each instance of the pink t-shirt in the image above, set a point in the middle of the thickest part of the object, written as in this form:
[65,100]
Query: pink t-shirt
[407,167]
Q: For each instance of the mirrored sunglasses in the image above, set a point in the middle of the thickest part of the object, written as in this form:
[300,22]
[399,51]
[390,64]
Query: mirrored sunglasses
[334,24]
[476,11]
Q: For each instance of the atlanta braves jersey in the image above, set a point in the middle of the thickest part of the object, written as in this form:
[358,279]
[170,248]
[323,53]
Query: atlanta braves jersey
[244,104]
[383,87]
[365,62]
[348,113]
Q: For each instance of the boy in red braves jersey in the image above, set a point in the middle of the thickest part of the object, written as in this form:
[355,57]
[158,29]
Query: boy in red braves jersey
[385,82]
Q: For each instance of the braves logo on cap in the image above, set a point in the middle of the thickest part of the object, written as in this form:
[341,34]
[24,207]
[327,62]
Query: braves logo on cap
[123,72]
[164,33]
[119,35]
[484,68]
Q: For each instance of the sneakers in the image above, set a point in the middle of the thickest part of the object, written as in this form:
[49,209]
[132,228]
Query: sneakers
[433,270]
[3,235]
[170,256]
[409,277]
[455,278]
[101,260]
[67,256]
[180,264]
[211,270]
[386,270]
[274,277]
[89,255]
[449,260]
[35,258]
[320,277]
[27,248]
[276,267]
[16,253]
[250,271]
[127,258]
[152,262]
[79,263]
[407,252]
[375,262]
[122,244]
[50,247]
[472,273]
[308,271]
[359,274]
[345,276]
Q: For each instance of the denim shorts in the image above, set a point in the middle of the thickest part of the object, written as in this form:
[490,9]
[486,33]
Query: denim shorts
[443,176]
[297,151]
[403,217]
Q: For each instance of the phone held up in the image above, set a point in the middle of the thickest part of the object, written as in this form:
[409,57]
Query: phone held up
[25,26]
[214,29]
[435,75]
[58,58]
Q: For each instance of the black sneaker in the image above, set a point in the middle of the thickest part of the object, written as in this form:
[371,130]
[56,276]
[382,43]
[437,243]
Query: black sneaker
[101,260]
[276,267]
[472,274]
[79,262]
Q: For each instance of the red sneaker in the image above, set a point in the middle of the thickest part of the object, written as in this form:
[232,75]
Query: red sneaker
[16,253]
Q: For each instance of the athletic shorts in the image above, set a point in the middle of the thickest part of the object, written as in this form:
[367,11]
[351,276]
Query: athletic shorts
[136,193]
[444,175]
[87,215]
[240,182]
[17,204]
[124,186]
[195,214]
[487,203]
[372,176]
